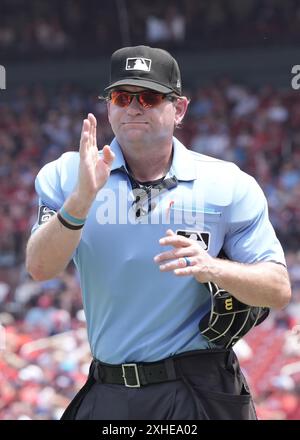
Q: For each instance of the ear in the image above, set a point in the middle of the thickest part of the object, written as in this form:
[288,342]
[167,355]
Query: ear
[108,110]
[181,106]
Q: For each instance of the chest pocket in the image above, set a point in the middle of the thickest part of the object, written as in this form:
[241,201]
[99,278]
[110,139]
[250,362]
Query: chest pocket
[203,226]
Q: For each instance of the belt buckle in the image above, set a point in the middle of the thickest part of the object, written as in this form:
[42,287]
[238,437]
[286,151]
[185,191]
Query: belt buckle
[134,366]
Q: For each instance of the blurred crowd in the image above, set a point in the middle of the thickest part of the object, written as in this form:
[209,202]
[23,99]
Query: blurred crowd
[46,356]
[30,29]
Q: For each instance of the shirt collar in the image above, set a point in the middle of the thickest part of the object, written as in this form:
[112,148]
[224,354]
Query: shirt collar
[119,160]
[183,165]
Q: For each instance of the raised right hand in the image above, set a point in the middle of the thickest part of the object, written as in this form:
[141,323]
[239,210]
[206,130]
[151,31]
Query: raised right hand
[94,169]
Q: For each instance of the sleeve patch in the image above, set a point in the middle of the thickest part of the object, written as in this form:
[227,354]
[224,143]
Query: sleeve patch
[45,214]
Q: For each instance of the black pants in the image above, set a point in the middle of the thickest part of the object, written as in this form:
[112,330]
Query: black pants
[210,386]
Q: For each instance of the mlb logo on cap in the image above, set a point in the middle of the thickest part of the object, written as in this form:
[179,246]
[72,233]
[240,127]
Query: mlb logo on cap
[138,64]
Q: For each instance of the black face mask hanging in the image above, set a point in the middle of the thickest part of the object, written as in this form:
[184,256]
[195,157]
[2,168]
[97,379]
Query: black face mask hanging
[145,192]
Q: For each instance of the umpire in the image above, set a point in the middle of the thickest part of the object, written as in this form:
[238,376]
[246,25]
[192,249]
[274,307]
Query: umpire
[144,220]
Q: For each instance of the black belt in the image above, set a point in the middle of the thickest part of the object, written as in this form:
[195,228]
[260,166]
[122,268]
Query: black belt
[135,375]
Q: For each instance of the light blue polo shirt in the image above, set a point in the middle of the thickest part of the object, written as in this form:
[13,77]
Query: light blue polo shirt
[135,312]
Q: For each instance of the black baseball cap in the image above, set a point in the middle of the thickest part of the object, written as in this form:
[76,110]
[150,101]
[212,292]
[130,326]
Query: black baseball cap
[145,66]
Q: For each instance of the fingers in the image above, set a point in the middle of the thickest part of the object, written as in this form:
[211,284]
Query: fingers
[88,141]
[92,119]
[175,240]
[108,155]
[84,139]
[93,129]
[89,128]
[174,253]
[170,233]
[85,128]
[88,134]
[185,259]
[179,267]
[183,247]
[190,270]
[178,264]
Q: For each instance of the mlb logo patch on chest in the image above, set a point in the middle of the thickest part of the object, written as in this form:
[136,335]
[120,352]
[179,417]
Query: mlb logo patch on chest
[138,63]
[203,238]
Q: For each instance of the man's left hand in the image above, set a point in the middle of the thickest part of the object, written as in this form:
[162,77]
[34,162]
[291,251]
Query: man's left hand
[186,258]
